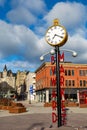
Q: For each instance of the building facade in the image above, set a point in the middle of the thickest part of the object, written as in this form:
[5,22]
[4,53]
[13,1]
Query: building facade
[30,86]
[20,82]
[72,80]
[7,81]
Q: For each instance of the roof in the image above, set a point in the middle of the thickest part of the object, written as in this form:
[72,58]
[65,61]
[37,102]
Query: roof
[5,68]
[68,64]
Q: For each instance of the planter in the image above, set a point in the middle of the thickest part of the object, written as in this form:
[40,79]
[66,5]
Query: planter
[17,110]
[47,104]
[83,105]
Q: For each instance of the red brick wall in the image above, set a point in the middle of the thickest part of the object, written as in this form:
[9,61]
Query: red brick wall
[43,75]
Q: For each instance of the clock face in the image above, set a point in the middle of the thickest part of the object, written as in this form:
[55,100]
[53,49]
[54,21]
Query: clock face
[56,35]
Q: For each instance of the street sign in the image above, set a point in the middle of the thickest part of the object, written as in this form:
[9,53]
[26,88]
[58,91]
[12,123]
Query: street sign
[31,89]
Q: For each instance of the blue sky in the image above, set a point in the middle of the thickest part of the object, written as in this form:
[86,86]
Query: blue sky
[23,24]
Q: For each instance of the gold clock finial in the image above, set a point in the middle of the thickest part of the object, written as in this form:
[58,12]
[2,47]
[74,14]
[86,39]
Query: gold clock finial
[56,22]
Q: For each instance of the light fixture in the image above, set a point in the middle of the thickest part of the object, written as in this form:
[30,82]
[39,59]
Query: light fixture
[52,52]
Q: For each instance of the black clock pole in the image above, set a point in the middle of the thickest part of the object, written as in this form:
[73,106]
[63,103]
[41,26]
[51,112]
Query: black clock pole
[57,52]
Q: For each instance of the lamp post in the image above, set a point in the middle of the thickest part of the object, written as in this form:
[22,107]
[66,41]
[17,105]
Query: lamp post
[56,51]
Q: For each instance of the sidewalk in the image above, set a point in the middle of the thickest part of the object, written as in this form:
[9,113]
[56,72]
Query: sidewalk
[38,117]
[39,108]
[31,109]
[41,105]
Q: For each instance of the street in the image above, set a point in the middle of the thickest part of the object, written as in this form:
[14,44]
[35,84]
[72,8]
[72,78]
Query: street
[38,117]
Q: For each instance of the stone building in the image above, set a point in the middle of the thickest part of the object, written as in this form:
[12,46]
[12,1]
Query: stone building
[20,81]
[7,80]
[30,86]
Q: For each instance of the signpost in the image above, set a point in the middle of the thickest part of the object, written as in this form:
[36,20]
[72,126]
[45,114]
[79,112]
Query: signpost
[30,93]
[31,89]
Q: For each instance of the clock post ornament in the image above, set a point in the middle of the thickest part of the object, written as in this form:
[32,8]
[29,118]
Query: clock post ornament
[56,36]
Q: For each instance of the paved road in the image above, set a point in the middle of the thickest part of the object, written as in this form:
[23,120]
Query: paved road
[38,118]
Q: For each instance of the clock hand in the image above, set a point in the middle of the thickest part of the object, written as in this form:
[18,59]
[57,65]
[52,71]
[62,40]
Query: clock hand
[53,36]
[58,35]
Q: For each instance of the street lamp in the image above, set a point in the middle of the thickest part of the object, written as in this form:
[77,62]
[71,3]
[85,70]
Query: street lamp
[74,53]
[52,52]
[57,53]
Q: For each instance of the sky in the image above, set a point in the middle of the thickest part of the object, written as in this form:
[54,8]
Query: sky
[23,25]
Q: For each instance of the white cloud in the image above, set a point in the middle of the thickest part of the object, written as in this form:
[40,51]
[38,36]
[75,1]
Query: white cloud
[18,40]
[25,17]
[33,5]
[71,15]
[27,45]
[24,65]
[26,12]
[17,65]
[79,44]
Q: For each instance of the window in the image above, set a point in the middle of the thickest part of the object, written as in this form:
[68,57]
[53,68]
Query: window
[84,83]
[83,72]
[69,82]
[80,72]
[72,72]
[69,72]
[65,72]
[81,83]
[66,82]
[73,83]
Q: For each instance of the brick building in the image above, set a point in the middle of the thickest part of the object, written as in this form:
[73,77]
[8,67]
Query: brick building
[74,76]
